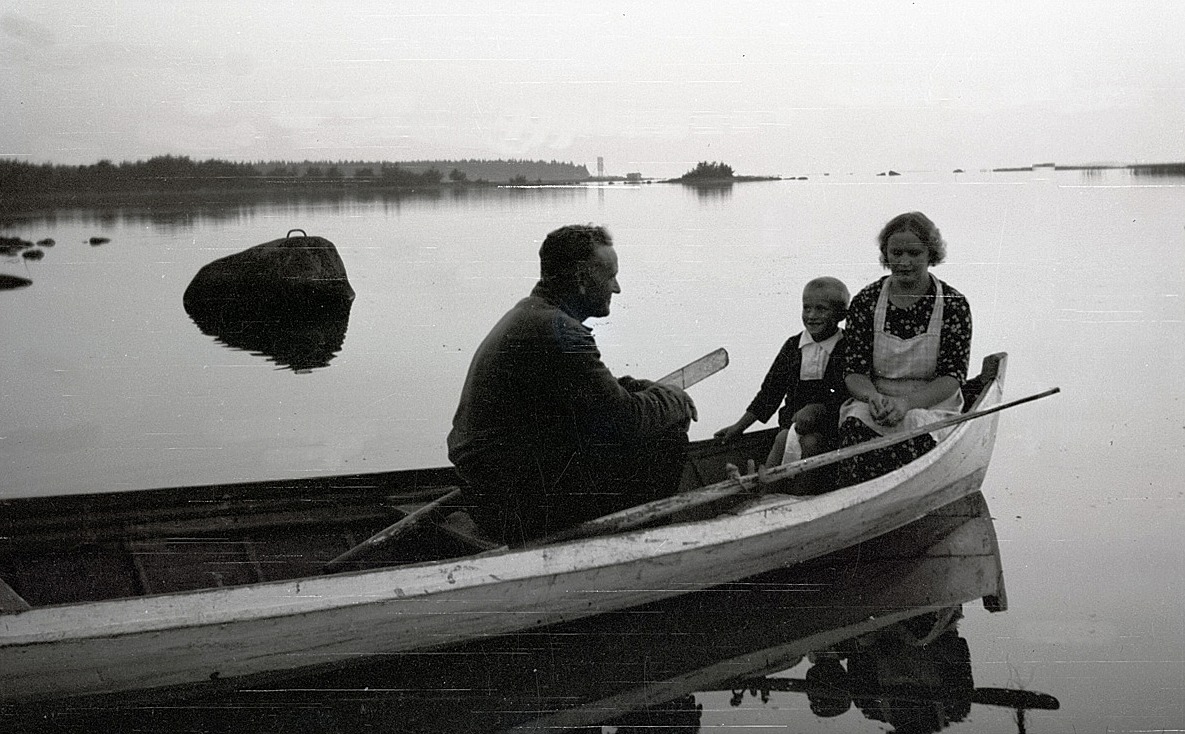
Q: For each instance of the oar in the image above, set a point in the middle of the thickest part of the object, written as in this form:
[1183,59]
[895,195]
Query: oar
[684,377]
[1005,697]
[705,366]
[667,506]
[389,533]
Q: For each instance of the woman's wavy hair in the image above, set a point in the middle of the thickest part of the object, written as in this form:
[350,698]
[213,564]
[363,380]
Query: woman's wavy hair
[921,226]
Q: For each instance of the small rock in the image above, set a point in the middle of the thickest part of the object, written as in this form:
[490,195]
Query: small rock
[13,245]
[11,282]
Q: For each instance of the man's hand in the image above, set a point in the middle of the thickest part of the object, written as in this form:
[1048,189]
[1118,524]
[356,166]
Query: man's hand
[687,403]
[680,397]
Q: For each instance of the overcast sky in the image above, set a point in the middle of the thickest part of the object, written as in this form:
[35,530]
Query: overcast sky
[769,87]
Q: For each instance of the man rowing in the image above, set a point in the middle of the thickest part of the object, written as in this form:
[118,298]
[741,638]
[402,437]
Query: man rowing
[545,436]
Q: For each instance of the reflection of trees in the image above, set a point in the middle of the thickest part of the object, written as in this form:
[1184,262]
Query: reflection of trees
[55,185]
[185,211]
[706,192]
[1160,169]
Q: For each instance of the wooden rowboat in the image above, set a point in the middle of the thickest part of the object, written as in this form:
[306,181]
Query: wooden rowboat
[105,594]
[648,665]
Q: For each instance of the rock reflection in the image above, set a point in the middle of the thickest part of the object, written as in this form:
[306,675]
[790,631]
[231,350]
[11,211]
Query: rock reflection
[876,624]
[301,342]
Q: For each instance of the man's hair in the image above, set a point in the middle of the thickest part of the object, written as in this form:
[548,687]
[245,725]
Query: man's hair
[835,289]
[564,250]
[922,228]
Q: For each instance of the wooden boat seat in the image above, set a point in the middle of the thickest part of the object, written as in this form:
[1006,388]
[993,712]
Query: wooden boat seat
[10,601]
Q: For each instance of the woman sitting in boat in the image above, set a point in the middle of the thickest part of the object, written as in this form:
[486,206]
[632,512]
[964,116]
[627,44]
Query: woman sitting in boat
[908,346]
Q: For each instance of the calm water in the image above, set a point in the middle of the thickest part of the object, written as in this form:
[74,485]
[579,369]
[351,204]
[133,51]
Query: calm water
[109,386]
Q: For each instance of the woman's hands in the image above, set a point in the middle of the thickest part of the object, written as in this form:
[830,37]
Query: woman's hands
[887,410]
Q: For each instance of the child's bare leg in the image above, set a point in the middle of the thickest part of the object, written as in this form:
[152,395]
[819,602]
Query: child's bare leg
[811,424]
[812,444]
[810,419]
[778,449]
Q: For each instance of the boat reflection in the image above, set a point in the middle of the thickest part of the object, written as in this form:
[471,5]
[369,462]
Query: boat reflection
[877,625]
[301,342]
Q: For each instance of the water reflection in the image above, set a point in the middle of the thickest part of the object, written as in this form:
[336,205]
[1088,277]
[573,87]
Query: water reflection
[714,191]
[171,211]
[875,624]
[300,342]
[915,675]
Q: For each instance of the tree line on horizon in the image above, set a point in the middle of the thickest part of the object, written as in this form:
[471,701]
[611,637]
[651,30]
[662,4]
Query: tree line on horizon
[181,173]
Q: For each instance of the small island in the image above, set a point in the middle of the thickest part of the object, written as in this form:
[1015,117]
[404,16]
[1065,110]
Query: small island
[706,173]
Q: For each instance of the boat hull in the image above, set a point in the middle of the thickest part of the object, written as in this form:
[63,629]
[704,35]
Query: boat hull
[593,671]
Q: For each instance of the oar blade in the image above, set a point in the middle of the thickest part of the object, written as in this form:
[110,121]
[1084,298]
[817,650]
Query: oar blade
[704,367]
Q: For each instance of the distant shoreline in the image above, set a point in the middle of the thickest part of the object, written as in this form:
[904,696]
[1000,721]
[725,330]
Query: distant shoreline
[1153,169]
[15,198]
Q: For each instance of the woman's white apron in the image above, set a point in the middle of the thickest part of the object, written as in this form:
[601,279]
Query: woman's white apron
[900,366]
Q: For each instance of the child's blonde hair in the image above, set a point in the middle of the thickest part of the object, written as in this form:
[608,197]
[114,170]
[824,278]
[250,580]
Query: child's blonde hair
[835,289]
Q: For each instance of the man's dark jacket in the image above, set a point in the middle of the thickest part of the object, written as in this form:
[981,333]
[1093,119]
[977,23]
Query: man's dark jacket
[538,403]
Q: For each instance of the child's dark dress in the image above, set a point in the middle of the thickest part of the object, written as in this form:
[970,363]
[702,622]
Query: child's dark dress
[782,384]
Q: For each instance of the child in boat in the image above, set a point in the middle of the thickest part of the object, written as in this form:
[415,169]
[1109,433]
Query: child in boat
[807,375]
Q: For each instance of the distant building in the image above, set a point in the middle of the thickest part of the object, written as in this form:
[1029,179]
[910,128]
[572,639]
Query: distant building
[600,167]
[633,176]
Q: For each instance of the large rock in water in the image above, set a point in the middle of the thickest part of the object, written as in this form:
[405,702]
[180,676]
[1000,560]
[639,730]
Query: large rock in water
[292,276]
